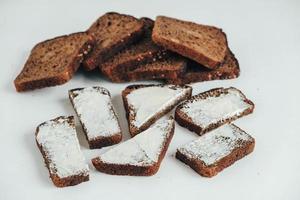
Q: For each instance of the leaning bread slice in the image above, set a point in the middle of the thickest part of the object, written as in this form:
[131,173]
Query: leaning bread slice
[144,104]
[141,52]
[58,143]
[216,150]
[113,32]
[196,73]
[213,108]
[204,44]
[169,68]
[53,62]
[140,155]
[97,116]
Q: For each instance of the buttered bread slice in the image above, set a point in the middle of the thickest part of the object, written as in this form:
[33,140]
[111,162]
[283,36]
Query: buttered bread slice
[144,104]
[140,155]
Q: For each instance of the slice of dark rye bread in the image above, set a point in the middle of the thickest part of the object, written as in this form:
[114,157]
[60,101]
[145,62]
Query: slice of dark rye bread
[58,143]
[140,155]
[216,150]
[53,62]
[141,52]
[195,73]
[145,104]
[204,44]
[169,68]
[211,109]
[96,114]
[113,32]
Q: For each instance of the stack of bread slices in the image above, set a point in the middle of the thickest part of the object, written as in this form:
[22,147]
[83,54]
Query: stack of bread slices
[124,48]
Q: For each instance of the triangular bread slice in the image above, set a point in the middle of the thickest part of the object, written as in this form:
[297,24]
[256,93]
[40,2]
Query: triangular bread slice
[216,150]
[204,44]
[113,32]
[211,109]
[140,155]
[144,104]
[58,143]
[130,58]
[97,116]
[53,62]
[196,73]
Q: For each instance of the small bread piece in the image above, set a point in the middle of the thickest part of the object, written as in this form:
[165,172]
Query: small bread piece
[211,109]
[204,44]
[216,150]
[168,68]
[145,104]
[58,143]
[113,32]
[97,116]
[195,73]
[132,57]
[53,62]
[140,155]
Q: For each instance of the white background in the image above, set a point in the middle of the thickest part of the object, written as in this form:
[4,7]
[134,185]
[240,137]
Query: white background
[264,35]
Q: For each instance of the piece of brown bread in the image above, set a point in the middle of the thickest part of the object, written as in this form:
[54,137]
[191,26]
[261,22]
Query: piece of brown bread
[211,109]
[216,150]
[204,44]
[195,73]
[113,32]
[145,104]
[58,143]
[53,62]
[141,52]
[140,155]
[96,114]
[170,68]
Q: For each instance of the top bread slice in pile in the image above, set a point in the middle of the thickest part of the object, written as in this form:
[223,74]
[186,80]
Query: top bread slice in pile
[53,62]
[204,44]
[132,57]
[112,32]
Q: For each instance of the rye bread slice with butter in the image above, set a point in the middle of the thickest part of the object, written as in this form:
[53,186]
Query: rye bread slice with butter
[204,44]
[145,104]
[113,32]
[53,62]
[133,56]
[140,155]
[58,143]
[216,150]
[96,114]
[211,109]
[196,73]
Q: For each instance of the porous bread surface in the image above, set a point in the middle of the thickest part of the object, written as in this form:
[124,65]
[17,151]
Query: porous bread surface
[213,108]
[197,73]
[113,32]
[54,60]
[206,45]
[95,110]
[143,149]
[215,145]
[58,141]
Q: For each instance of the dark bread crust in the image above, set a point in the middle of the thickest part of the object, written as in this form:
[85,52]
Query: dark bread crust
[183,120]
[114,41]
[209,171]
[58,78]
[161,29]
[57,181]
[133,130]
[195,73]
[132,57]
[98,142]
[132,170]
